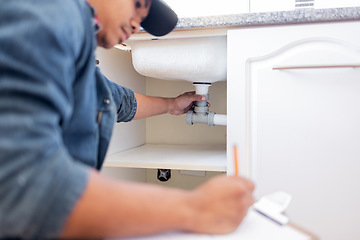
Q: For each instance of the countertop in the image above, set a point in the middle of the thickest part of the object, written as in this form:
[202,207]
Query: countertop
[271,18]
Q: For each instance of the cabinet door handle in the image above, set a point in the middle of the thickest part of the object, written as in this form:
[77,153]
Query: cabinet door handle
[314,66]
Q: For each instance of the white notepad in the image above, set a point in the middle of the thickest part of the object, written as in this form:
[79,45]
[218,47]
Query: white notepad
[257,227]
[254,227]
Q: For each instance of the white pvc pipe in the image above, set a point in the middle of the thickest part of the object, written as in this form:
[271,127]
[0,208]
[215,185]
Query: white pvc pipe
[220,119]
[202,89]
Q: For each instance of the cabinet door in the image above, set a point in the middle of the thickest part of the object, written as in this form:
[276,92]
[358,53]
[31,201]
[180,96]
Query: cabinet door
[294,112]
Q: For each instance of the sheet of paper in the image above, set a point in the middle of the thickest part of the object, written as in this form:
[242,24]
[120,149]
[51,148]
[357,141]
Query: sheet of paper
[254,227]
[257,227]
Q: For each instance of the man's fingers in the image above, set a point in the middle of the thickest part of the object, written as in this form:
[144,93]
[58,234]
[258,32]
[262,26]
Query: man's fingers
[196,97]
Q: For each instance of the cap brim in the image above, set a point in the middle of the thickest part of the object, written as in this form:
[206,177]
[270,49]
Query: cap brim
[161,19]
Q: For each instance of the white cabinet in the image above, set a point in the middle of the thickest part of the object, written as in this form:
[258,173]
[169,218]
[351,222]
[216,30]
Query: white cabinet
[294,113]
[286,5]
[336,3]
[190,8]
[268,6]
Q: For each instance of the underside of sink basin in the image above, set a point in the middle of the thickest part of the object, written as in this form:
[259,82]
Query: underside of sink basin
[196,59]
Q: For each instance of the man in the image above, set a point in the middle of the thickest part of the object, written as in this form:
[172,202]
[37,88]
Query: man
[56,118]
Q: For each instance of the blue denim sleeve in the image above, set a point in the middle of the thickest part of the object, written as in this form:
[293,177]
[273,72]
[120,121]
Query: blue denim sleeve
[40,182]
[125,101]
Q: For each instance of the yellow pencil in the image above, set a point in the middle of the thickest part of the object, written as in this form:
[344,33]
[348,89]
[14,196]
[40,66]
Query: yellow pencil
[236,161]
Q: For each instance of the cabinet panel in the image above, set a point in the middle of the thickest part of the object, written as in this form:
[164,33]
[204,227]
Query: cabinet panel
[268,6]
[190,8]
[299,128]
[336,3]
[288,5]
[181,157]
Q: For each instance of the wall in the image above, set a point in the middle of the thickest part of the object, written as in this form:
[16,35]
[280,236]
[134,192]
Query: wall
[169,129]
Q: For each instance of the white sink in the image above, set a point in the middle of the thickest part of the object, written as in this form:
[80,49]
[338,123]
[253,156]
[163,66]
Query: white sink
[196,59]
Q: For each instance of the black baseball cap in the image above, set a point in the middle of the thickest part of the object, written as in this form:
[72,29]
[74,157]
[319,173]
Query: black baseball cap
[161,19]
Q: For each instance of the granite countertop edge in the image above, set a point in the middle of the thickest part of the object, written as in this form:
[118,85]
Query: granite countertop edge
[271,18]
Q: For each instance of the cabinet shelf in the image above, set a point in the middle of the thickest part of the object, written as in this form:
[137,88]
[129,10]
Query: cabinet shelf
[183,157]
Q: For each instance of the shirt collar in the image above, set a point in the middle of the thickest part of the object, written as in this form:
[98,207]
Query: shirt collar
[96,22]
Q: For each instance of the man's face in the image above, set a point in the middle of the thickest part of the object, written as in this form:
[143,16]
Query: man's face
[120,19]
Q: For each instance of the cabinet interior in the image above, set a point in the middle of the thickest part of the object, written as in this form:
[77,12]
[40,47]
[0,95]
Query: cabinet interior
[164,141]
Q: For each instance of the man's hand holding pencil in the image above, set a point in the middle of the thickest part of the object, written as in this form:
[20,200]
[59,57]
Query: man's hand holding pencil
[221,203]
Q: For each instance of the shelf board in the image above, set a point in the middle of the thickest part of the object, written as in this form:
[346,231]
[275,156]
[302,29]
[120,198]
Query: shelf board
[183,157]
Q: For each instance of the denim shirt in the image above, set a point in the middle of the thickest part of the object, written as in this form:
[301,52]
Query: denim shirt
[56,113]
